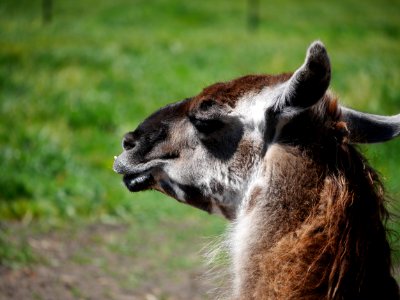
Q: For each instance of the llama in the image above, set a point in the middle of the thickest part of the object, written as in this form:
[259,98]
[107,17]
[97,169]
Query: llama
[275,155]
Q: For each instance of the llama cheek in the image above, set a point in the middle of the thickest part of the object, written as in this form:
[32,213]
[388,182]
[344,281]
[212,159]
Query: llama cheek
[195,197]
[168,189]
[169,186]
[188,194]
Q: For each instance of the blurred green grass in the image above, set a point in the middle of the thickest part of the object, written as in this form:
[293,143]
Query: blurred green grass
[70,89]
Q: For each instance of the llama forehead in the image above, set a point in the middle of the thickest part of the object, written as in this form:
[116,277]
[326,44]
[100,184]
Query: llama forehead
[248,95]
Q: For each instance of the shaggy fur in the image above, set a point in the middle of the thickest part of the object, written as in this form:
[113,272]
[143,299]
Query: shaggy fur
[330,241]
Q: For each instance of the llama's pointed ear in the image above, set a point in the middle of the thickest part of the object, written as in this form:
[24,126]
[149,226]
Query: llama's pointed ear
[369,128]
[310,82]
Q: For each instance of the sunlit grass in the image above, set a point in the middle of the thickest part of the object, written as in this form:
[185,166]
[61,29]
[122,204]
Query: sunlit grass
[70,90]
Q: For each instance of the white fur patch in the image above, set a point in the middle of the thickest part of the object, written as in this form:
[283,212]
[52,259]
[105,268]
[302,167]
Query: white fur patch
[239,247]
[252,106]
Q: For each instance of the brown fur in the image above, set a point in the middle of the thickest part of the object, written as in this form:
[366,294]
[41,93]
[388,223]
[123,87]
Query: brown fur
[229,92]
[327,241]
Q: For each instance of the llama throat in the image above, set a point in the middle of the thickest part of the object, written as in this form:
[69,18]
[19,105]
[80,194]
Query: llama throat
[275,155]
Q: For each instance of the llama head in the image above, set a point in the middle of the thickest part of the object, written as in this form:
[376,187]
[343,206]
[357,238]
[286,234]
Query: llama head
[207,150]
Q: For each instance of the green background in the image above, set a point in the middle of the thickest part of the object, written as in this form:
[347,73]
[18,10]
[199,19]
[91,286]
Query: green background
[71,88]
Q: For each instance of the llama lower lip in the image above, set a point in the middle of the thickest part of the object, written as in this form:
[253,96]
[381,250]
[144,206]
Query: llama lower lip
[138,182]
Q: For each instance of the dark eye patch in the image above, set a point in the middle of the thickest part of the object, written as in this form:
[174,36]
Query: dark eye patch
[206,126]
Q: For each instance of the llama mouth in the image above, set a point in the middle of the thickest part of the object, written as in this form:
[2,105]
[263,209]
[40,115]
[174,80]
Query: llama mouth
[138,182]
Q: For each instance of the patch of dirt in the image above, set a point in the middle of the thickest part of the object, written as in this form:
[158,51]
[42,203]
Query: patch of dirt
[81,264]
[84,262]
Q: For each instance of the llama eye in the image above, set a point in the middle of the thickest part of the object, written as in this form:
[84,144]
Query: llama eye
[207,104]
[206,126]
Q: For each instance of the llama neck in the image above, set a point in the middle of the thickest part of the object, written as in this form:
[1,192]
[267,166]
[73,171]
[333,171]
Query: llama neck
[283,244]
[272,208]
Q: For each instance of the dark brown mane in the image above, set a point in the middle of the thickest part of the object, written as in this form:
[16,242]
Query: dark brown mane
[342,243]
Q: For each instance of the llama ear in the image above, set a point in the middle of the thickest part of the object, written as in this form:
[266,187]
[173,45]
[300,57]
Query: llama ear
[368,128]
[310,82]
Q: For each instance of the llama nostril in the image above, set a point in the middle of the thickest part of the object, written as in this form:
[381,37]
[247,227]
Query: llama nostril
[128,142]
[128,145]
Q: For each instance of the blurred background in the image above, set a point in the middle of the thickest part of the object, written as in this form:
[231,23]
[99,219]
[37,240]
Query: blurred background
[76,75]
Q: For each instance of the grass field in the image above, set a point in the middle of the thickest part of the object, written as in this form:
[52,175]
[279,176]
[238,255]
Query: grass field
[71,88]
